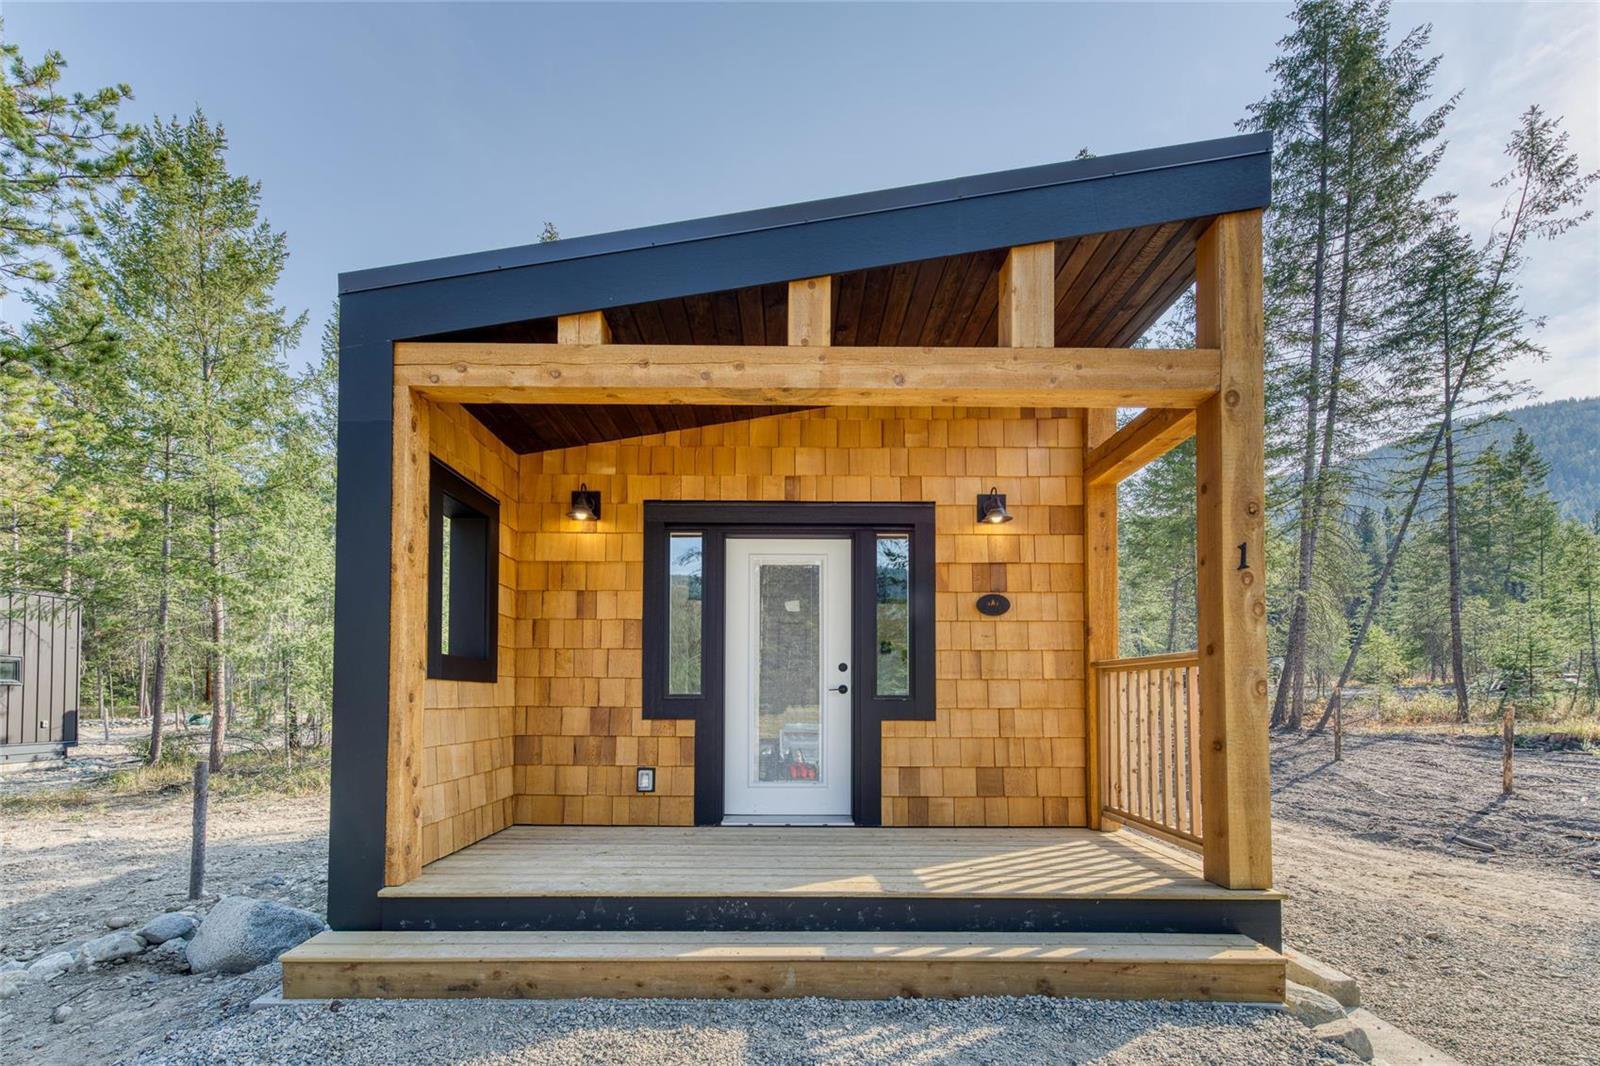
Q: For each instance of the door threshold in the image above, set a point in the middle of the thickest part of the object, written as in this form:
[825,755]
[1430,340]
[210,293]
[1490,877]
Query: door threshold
[748,820]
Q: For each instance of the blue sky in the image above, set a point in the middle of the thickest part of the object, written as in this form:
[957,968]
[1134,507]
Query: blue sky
[390,132]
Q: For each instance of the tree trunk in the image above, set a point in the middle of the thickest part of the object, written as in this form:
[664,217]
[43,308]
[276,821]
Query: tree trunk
[66,577]
[291,727]
[1458,666]
[1594,648]
[144,679]
[1174,601]
[1375,597]
[1290,681]
[158,702]
[219,634]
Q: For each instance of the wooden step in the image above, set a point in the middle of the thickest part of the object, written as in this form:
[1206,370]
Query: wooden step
[570,965]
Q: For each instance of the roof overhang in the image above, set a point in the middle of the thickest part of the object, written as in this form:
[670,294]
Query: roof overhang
[921,222]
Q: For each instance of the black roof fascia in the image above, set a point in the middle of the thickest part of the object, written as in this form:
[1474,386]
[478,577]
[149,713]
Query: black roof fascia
[1051,202]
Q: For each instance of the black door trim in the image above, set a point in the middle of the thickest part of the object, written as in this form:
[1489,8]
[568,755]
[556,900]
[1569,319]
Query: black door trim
[716,521]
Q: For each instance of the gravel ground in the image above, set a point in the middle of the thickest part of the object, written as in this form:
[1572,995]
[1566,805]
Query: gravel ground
[1493,957]
[738,1032]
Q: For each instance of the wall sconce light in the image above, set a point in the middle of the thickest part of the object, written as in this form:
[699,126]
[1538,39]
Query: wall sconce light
[585,505]
[992,507]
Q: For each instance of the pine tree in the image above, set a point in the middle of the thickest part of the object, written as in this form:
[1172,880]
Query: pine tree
[189,268]
[1545,189]
[1355,139]
[58,155]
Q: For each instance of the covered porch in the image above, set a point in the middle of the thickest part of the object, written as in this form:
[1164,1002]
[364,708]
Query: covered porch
[596,718]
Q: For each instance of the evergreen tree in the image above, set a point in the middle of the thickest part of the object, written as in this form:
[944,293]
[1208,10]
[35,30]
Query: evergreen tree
[189,267]
[1545,188]
[1355,139]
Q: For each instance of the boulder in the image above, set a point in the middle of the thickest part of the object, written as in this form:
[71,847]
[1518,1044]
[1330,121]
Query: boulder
[50,966]
[1312,1007]
[174,926]
[119,921]
[242,933]
[61,1013]
[11,965]
[11,983]
[110,948]
[174,953]
[1347,1034]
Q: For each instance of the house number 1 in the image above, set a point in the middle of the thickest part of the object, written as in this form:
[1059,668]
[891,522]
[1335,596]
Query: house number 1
[1244,563]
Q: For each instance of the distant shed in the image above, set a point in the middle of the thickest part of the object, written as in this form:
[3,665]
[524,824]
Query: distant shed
[41,637]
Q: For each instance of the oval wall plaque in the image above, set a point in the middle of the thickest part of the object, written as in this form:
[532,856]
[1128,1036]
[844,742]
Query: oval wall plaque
[993,604]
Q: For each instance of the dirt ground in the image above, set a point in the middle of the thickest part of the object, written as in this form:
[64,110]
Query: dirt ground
[1493,956]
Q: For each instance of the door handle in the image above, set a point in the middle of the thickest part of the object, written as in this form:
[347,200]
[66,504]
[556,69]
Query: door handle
[840,688]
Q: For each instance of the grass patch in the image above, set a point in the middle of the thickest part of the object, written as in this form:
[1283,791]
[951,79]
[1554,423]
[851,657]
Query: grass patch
[247,772]
[1432,710]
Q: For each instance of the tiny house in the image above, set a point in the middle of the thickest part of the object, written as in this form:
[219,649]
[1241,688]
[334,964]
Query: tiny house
[729,607]
[40,645]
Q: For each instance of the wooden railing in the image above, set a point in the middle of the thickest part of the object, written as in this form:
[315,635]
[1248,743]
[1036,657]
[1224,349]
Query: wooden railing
[1148,712]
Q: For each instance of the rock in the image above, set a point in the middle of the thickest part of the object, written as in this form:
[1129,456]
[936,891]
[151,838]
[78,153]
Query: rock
[1312,1007]
[242,933]
[1314,973]
[61,1013]
[11,983]
[49,967]
[174,953]
[270,881]
[1347,1034]
[167,927]
[12,965]
[119,921]
[111,948]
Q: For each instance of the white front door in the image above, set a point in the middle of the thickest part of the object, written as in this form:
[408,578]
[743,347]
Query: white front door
[787,751]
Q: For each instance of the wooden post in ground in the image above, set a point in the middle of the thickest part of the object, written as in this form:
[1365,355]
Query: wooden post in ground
[197,843]
[1508,741]
[1230,575]
[408,637]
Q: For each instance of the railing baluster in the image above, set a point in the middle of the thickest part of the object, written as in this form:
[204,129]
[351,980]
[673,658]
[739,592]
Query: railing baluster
[1176,818]
[1149,713]
[1192,683]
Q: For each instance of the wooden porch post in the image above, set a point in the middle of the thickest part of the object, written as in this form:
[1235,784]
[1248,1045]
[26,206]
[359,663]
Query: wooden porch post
[1099,593]
[1230,573]
[408,637]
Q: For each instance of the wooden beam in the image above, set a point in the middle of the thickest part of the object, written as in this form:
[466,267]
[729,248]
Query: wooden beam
[589,327]
[1028,297]
[783,374]
[1099,598]
[1152,434]
[811,312]
[408,638]
[1230,577]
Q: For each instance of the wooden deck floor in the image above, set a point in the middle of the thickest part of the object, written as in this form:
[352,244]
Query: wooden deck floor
[663,861]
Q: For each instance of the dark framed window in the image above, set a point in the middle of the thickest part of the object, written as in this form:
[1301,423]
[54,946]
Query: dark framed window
[463,578]
[892,622]
[10,669]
